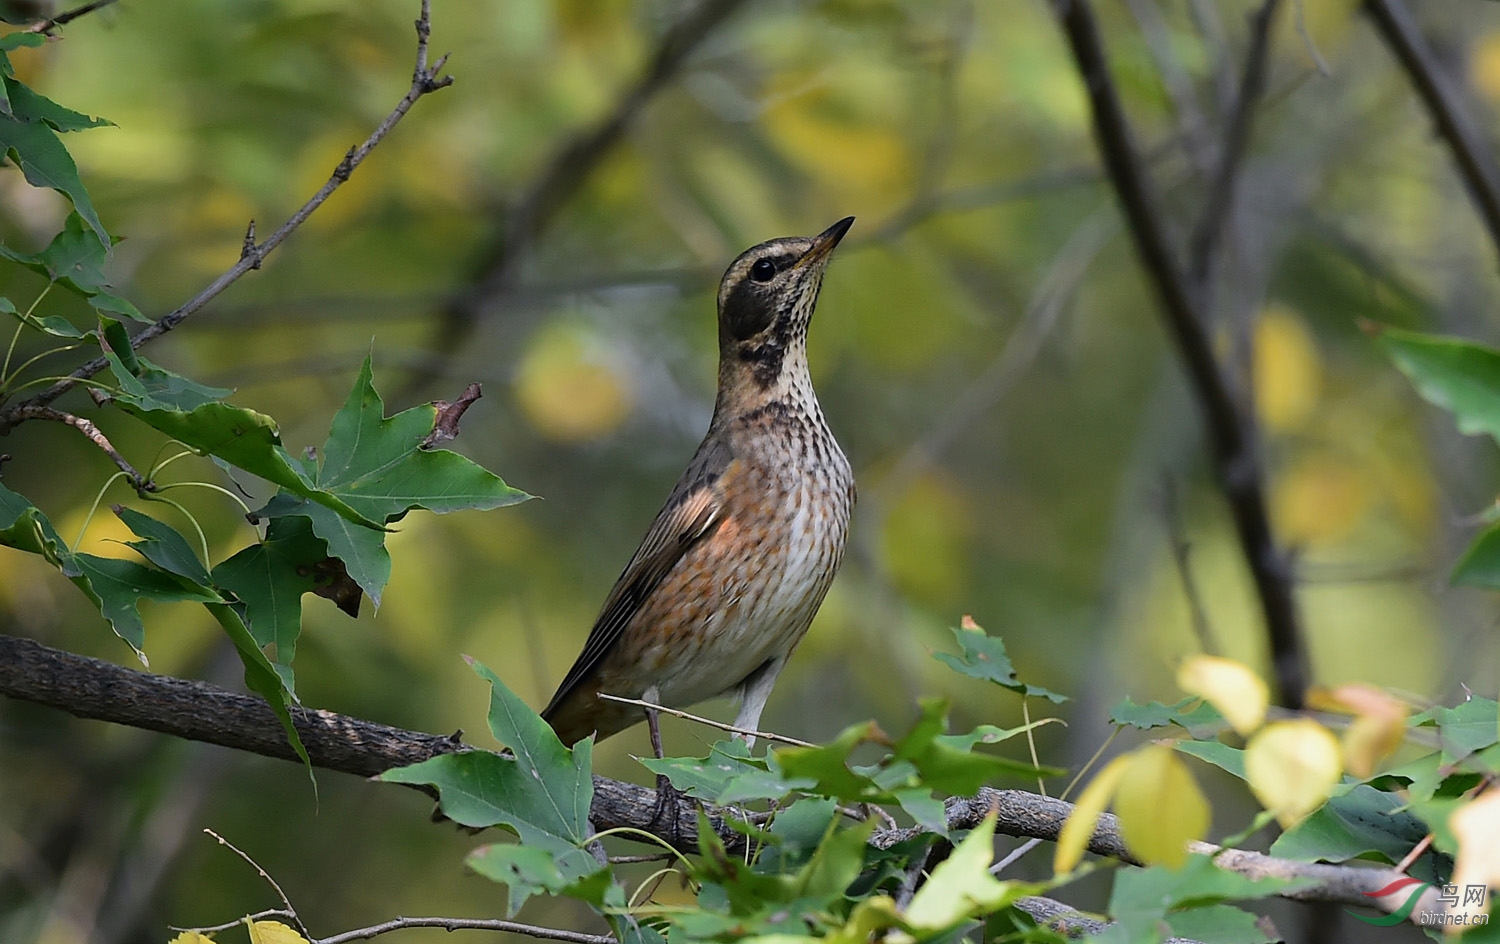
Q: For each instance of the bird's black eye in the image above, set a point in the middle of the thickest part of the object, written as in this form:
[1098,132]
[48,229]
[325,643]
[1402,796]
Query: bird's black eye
[763,271]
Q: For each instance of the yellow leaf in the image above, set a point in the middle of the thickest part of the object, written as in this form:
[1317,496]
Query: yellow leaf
[274,932]
[1287,371]
[1379,724]
[191,937]
[1484,66]
[1229,686]
[1292,766]
[1079,829]
[1477,828]
[1160,806]
[961,886]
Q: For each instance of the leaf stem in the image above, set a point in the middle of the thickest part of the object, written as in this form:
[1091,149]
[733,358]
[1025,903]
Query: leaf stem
[202,538]
[25,320]
[78,542]
[212,487]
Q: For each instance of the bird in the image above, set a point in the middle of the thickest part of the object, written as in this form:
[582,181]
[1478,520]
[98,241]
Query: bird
[729,575]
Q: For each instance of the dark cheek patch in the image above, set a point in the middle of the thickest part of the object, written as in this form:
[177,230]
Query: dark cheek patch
[746,313]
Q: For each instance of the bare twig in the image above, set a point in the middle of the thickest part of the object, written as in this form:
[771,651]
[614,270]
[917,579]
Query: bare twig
[1219,202]
[678,713]
[239,922]
[425,80]
[562,176]
[290,912]
[1231,433]
[67,16]
[94,435]
[1182,551]
[468,924]
[1444,102]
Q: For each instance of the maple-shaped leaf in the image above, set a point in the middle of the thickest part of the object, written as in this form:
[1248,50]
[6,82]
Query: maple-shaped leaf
[378,466]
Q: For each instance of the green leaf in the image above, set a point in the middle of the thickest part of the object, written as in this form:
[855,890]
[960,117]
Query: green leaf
[46,163]
[376,465]
[541,791]
[1364,823]
[193,414]
[1231,759]
[1460,376]
[531,870]
[1157,715]
[117,588]
[1142,898]
[269,579]
[59,327]
[74,259]
[104,301]
[962,887]
[164,546]
[1222,924]
[263,678]
[1471,726]
[984,657]
[27,105]
[710,776]
[949,769]
[16,40]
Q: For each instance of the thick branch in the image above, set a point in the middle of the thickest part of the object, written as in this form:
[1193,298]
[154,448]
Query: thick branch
[425,79]
[1231,432]
[90,688]
[1394,23]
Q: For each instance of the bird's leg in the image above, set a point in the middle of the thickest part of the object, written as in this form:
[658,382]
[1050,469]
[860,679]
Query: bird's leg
[754,691]
[665,814]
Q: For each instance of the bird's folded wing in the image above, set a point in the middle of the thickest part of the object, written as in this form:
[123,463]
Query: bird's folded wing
[693,512]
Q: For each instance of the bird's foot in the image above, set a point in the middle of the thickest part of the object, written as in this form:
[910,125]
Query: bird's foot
[666,817]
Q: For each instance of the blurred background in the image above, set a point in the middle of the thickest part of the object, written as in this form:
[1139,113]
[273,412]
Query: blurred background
[985,349]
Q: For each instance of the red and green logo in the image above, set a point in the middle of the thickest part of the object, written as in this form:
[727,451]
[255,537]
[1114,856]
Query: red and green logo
[1402,913]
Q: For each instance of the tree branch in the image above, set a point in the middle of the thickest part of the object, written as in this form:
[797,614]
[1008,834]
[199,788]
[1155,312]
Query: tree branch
[567,170]
[1393,21]
[91,688]
[425,80]
[1219,202]
[1231,433]
[93,434]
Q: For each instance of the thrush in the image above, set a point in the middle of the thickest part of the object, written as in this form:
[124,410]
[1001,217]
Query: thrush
[729,575]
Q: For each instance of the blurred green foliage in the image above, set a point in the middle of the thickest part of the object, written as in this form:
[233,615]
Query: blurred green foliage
[985,348]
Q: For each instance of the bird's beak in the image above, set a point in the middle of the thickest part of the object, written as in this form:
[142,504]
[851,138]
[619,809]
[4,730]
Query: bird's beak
[824,242]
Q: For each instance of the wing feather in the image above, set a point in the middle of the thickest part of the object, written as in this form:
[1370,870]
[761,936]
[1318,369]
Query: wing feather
[692,512]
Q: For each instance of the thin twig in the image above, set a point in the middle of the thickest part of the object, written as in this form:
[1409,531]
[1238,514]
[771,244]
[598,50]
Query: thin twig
[1319,62]
[467,924]
[1181,555]
[567,170]
[237,922]
[67,16]
[676,713]
[425,80]
[1014,856]
[1231,432]
[1394,23]
[93,434]
[287,902]
[1219,202]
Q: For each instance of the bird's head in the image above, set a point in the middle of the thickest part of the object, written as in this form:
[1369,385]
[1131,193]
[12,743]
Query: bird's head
[765,303]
